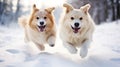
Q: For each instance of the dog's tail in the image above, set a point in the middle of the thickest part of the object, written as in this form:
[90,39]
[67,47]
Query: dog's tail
[22,21]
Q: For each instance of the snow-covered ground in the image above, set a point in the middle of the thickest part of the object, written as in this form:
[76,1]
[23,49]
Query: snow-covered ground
[104,50]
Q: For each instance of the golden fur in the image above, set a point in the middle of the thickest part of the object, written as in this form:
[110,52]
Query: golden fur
[32,32]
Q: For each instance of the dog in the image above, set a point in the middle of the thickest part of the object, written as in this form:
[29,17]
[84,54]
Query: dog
[40,27]
[76,29]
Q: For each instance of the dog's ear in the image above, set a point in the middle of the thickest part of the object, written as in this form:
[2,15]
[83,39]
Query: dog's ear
[49,10]
[34,6]
[86,8]
[68,7]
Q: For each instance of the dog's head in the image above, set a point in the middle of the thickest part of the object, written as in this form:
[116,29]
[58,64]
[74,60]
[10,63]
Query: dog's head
[76,19]
[41,20]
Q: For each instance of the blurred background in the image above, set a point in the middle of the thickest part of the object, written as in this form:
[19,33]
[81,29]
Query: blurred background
[102,10]
[104,50]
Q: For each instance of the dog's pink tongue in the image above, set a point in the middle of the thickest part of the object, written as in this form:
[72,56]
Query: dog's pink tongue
[41,28]
[76,30]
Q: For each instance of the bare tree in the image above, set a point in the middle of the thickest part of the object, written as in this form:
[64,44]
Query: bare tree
[18,10]
[6,11]
[118,9]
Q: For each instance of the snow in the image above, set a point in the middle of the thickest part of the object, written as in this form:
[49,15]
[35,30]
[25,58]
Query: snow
[104,50]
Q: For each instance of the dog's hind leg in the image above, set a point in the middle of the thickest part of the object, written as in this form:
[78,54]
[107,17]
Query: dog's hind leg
[41,47]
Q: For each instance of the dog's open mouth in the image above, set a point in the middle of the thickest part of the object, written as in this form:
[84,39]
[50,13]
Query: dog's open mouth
[75,29]
[42,28]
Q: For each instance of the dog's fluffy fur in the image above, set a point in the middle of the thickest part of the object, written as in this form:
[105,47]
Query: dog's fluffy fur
[39,27]
[76,29]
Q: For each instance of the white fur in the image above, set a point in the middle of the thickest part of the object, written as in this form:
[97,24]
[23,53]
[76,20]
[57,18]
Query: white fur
[83,37]
[71,48]
[41,20]
[51,40]
[36,37]
[84,48]
[74,21]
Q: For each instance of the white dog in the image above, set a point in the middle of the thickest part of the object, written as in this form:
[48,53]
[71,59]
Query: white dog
[76,29]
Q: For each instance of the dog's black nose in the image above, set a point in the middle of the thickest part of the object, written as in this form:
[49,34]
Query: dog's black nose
[76,24]
[41,23]
[52,45]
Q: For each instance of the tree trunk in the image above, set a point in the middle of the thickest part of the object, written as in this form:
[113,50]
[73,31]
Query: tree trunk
[17,10]
[118,9]
[113,10]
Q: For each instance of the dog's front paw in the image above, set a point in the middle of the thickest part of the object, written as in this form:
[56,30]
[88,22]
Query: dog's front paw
[52,45]
[70,48]
[51,41]
[73,51]
[83,52]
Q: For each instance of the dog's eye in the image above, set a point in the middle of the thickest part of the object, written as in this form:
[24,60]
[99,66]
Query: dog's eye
[80,18]
[45,17]
[37,18]
[72,18]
